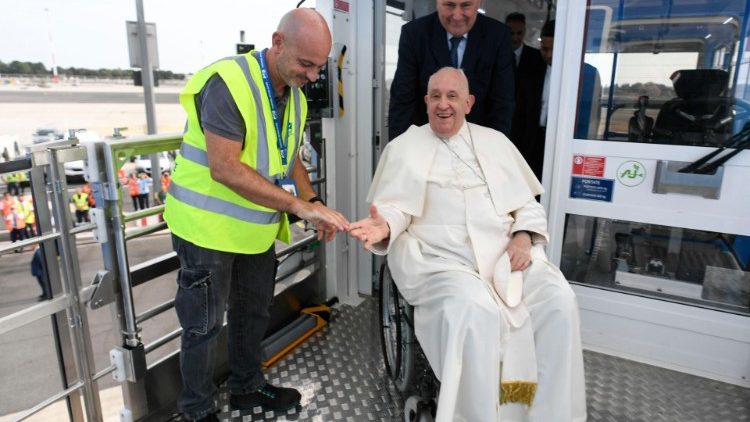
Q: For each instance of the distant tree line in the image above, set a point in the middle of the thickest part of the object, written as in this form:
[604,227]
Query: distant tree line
[37,69]
[653,90]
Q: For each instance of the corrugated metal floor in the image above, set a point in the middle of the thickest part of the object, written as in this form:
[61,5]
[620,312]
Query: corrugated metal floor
[340,373]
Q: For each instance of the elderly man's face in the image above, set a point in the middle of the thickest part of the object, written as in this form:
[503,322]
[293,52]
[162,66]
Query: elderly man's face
[300,59]
[457,16]
[448,102]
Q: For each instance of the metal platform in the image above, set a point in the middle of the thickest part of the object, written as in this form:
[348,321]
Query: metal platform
[340,374]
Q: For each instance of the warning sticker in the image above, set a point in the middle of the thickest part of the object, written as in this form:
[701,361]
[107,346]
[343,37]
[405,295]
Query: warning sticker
[584,165]
[341,6]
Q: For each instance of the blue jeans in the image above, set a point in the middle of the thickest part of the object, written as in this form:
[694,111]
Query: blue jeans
[208,282]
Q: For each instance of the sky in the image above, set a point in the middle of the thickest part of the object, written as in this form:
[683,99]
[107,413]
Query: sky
[91,33]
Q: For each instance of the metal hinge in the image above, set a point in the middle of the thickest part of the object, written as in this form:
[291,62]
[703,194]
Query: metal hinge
[75,321]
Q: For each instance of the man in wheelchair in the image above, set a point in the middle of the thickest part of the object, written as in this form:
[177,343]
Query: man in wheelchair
[453,206]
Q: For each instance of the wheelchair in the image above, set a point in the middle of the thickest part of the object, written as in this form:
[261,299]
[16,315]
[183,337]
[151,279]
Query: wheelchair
[404,360]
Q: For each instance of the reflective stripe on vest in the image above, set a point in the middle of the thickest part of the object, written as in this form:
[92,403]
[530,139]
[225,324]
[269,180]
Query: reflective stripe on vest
[221,206]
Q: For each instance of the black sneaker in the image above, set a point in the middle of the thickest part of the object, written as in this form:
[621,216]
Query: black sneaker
[278,399]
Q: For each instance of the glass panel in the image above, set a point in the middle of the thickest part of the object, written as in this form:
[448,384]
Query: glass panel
[664,72]
[671,263]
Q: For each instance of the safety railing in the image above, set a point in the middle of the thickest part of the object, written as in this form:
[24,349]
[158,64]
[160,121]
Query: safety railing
[54,233]
[113,228]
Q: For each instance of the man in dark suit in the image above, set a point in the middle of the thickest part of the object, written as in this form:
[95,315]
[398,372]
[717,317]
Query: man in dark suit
[482,51]
[530,117]
[529,81]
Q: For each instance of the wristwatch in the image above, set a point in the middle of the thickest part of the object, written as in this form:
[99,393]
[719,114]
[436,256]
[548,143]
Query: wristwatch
[316,198]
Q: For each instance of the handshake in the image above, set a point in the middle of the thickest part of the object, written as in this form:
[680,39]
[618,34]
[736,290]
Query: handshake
[370,230]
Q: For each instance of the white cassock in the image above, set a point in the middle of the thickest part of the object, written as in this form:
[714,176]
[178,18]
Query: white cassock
[449,229]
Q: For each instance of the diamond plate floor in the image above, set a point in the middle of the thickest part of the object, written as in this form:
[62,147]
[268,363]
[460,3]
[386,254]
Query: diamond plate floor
[340,374]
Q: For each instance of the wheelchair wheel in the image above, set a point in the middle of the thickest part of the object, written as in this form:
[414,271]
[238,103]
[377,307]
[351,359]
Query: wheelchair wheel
[397,333]
[417,410]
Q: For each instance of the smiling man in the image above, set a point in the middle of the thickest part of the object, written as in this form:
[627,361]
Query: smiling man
[235,180]
[453,207]
[455,35]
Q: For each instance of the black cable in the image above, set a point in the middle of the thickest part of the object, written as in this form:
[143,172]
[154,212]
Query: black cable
[298,4]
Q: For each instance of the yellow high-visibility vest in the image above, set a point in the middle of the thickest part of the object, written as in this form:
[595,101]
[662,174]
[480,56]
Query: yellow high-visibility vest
[208,213]
[81,201]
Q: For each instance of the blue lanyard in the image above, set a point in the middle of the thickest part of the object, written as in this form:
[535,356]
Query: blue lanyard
[274,112]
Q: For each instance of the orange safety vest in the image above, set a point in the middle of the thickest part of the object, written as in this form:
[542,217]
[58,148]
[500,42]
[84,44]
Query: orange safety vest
[15,220]
[133,185]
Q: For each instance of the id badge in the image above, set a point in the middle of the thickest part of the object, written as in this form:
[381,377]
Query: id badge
[288,185]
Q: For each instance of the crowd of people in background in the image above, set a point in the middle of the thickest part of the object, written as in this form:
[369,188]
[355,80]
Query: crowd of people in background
[139,188]
[18,216]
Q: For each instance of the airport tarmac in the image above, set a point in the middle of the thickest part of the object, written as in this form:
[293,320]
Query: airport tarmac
[96,107]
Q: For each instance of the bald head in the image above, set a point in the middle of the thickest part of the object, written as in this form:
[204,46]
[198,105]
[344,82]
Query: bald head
[302,23]
[450,72]
[448,101]
[299,48]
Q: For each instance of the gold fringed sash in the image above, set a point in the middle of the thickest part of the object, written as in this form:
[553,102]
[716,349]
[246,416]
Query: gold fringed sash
[517,392]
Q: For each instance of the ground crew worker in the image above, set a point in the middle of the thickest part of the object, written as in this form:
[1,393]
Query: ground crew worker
[15,222]
[88,191]
[27,205]
[228,201]
[132,184]
[11,180]
[8,202]
[81,202]
[23,181]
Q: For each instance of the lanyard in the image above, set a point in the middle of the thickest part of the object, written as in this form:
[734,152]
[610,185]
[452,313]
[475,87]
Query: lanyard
[282,145]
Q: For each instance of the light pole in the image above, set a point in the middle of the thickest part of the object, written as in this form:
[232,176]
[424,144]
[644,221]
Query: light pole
[55,78]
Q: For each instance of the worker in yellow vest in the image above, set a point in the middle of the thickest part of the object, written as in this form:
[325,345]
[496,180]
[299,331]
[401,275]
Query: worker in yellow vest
[11,181]
[27,205]
[81,202]
[23,181]
[235,180]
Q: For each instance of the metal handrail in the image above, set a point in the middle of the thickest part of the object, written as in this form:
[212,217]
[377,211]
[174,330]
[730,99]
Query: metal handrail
[13,166]
[133,234]
[116,153]
[33,313]
[161,341]
[28,242]
[83,228]
[62,394]
[156,310]
[135,215]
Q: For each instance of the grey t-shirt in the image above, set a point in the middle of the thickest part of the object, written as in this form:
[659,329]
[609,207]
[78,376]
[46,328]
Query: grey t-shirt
[218,112]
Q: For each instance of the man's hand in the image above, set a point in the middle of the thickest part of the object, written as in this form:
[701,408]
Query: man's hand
[326,221]
[370,230]
[519,251]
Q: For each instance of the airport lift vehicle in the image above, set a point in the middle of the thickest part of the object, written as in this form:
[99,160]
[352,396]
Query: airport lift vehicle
[646,187]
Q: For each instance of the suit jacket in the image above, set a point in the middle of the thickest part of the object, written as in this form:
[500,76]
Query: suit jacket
[488,63]
[526,132]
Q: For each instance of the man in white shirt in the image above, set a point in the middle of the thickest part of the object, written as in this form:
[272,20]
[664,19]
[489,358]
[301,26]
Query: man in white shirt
[453,206]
